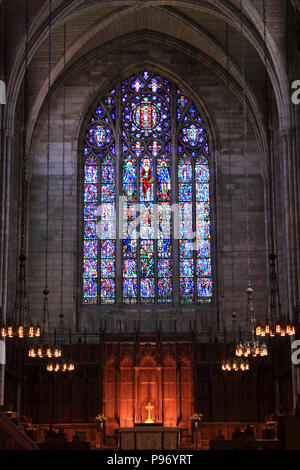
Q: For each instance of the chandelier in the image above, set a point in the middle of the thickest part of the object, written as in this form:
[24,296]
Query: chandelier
[62,364]
[235,365]
[251,347]
[45,347]
[20,325]
[278,324]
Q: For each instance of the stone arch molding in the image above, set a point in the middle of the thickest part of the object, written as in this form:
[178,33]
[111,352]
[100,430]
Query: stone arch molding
[121,42]
[222,9]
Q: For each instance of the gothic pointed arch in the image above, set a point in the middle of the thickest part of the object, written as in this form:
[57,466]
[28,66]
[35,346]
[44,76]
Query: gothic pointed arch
[146,197]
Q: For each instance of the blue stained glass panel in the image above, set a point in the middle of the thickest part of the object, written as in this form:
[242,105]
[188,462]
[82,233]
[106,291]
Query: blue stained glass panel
[164,288]
[90,268]
[202,173]
[129,268]
[90,229]
[185,170]
[146,247]
[186,287]
[202,160]
[203,229]
[164,221]
[91,174]
[137,85]
[182,101]
[90,193]
[129,178]
[129,248]
[107,193]
[90,211]
[193,135]
[163,179]
[109,101]
[147,267]
[185,192]
[108,174]
[185,249]
[90,248]
[107,230]
[164,268]
[99,111]
[202,191]
[202,210]
[155,148]
[186,268]
[203,249]
[99,135]
[204,267]
[147,288]
[164,248]
[107,289]
[204,287]
[138,148]
[108,268]
[107,249]
[130,288]
[90,288]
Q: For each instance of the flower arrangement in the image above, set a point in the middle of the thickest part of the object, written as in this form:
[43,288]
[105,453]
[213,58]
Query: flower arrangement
[100,418]
[196,417]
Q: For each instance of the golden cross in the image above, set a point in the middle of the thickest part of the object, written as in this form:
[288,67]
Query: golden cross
[149,407]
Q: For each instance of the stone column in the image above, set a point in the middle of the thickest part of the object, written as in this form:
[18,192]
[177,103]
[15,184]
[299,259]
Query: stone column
[291,230]
[2,371]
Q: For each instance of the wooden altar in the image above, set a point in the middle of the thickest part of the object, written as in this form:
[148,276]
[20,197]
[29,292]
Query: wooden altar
[148,437]
[139,373]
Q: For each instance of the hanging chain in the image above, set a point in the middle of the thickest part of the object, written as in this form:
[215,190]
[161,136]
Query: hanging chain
[46,319]
[249,311]
[20,313]
[61,315]
[230,173]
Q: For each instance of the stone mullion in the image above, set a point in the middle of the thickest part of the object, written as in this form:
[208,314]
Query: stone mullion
[5,219]
[296,151]
[119,216]
[194,229]
[290,237]
[174,200]
[288,215]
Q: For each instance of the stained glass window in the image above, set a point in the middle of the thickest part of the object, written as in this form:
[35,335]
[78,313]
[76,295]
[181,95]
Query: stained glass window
[159,163]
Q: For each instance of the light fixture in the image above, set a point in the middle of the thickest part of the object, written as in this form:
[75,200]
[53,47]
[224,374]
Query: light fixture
[20,325]
[276,324]
[64,364]
[235,365]
[279,325]
[45,347]
[61,366]
[250,346]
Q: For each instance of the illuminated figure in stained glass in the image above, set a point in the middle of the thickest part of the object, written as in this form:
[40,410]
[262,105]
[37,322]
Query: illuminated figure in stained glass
[146,180]
[100,134]
[164,180]
[129,178]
